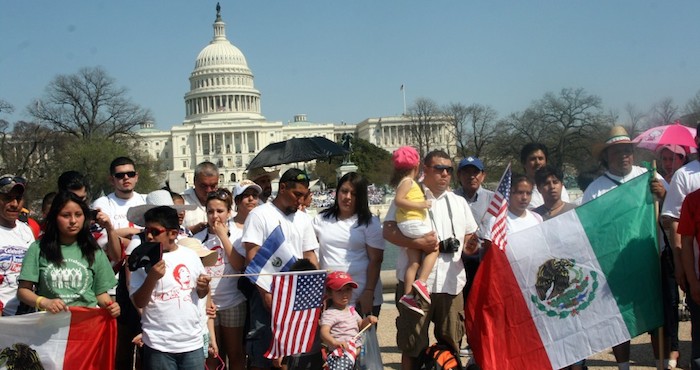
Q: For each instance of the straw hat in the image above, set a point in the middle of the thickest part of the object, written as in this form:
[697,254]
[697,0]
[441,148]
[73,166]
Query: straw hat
[209,257]
[255,173]
[154,199]
[617,136]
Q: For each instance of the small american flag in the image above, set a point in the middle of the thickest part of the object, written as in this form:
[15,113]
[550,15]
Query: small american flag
[499,209]
[343,359]
[296,307]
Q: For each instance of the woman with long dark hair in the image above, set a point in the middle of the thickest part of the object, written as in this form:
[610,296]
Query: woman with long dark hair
[66,267]
[350,240]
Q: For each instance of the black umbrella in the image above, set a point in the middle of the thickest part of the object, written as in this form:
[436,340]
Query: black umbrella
[297,150]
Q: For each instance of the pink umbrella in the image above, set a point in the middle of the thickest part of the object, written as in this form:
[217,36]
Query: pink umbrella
[669,134]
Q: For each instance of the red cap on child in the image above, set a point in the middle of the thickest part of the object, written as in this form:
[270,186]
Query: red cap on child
[336,280]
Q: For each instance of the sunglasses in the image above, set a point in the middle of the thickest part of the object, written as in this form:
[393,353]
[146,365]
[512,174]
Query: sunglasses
[10,179]
[221,194]
[154,231]
[439,168]
[122,175]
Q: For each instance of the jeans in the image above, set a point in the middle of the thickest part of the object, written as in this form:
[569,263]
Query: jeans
[694,333]
[153,359]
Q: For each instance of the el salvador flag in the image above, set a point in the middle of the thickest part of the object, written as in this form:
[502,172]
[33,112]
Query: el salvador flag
[270,259]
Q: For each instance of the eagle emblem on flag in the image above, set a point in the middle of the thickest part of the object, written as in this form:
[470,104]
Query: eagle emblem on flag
[563,288]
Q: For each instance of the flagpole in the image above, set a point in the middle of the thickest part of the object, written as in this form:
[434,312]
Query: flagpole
[308,272]
[362,331]
[660,330]
[403,91]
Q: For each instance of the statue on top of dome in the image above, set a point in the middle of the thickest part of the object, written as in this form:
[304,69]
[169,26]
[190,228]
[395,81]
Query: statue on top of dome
[218,10]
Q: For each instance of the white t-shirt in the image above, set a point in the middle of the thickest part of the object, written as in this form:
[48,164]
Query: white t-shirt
[685,181]
[537,199]
[224,291]
[116,208]
[514,223]
[343,247]
[604,184]
[171,321]
[448,272]
[195,216]
[14,243]
[299,236]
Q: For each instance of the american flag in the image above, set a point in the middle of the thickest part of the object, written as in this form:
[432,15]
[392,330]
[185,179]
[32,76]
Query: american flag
[343,359]
[296,307]
[499,209]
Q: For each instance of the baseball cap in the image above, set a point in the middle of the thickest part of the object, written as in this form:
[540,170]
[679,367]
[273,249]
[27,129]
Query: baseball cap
[244,185]
[336,280]
[295,175]
[9,182]
[471,161]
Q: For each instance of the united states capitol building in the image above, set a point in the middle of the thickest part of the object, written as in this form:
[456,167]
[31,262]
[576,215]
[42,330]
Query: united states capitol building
[224,122]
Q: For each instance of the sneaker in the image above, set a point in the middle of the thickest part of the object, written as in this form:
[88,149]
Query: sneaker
[422,290]
[411,303]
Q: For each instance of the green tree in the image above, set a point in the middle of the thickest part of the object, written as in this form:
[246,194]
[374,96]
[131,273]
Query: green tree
[372,161]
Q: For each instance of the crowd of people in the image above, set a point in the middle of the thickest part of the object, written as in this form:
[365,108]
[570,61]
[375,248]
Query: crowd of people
[188,306]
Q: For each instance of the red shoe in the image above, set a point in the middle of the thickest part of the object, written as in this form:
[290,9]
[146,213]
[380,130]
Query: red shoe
[411,303]
[420,287]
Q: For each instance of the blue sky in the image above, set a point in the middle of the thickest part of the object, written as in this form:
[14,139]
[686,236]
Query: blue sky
[346,60]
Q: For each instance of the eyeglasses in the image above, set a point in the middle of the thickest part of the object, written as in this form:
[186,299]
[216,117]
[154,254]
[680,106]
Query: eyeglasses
[154,231]
[10,179]
[122,175]
[439,168]
[221,194]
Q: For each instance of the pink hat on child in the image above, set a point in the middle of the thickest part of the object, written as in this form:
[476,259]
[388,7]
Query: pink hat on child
[405,157]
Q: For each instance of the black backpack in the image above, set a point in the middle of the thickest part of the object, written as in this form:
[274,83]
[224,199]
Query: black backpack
[439,356]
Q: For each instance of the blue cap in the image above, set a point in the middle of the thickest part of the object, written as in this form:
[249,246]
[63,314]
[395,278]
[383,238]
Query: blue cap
[471,161]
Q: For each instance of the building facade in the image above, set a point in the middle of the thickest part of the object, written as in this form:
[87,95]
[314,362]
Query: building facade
[224,122]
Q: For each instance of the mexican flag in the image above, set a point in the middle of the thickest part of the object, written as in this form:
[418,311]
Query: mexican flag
[82,338]
[570,287]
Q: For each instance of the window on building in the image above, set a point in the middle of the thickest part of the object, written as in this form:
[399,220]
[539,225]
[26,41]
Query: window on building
[233,177]
[184,164]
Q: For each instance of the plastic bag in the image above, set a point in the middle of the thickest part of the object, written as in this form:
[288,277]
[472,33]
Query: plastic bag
[370,355]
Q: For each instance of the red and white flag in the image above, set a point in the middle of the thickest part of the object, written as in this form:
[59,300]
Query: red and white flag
[499,209]
[82,338]
[296,308]
[343,359]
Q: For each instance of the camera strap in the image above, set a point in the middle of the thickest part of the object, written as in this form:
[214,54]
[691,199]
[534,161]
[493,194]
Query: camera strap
[449,213]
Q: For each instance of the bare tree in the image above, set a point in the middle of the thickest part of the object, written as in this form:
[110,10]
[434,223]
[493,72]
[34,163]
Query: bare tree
[568,123]
[635,120]
[6,107]
[424,113]
[456,116]
[28,149]
[663,113]
[692,111]
[88,104]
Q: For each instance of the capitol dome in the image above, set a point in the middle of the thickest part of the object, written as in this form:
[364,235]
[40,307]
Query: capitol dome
[221,83]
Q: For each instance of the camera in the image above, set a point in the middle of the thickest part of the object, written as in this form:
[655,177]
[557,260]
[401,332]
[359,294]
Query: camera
[93,214]
[449,245]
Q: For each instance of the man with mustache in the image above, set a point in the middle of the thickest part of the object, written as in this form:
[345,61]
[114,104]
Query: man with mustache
[15,236]
[299,239]
[616,154]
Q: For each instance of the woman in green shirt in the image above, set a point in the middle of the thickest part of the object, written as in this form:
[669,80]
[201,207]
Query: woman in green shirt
[66,267]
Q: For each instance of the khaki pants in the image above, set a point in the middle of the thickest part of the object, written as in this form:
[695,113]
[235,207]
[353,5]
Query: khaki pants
[446,312]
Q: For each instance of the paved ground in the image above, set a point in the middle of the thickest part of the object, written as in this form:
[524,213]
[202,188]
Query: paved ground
[642,356]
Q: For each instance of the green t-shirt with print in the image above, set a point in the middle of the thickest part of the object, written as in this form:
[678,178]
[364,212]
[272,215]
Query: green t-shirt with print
[75,282]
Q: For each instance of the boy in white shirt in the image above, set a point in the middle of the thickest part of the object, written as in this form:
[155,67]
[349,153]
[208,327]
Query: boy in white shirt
[169,294]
